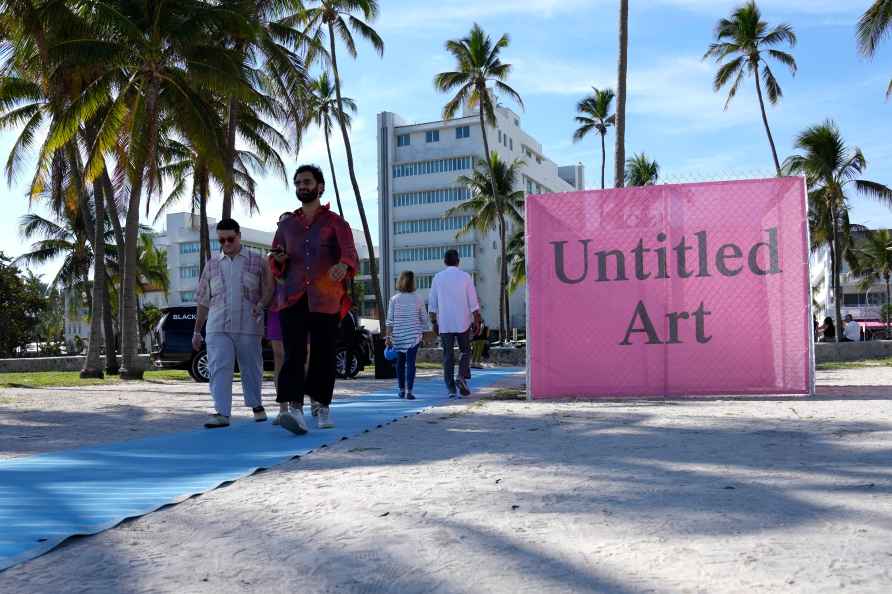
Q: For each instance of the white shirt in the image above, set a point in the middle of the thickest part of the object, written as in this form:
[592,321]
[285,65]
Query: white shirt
[454,299]
[853,331]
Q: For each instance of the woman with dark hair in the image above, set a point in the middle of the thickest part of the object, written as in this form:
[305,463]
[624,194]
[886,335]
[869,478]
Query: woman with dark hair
[407,321]
[828,330]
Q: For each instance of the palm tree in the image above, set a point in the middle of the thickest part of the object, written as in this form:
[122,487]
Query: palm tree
[330,19]
[267,47]
[517,259]
[594,116]
[494,211]
[873,259]
[830,167]
[152,58]
[622,67]
[321,104]
[746,36]
[641,171]
[478,64]
[873,27]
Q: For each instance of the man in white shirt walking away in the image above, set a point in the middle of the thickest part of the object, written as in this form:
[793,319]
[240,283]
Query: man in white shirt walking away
[455,312]
[852,329]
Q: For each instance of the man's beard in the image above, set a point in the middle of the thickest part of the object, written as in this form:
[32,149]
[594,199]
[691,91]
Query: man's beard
[308,196]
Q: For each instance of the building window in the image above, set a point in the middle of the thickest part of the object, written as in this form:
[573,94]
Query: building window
[429,167]
[511,142]
[463,132]
[189,272]
[432,136]
[422,254]
[403,140]
[187,296]
[431,225]
[189,248]
[517,122]
[431,197]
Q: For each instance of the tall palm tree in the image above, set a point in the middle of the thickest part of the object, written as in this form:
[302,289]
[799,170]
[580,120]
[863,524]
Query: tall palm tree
[746,36]
[494,211]
[594,116]
[873,27]
[641,171]
[478,64]
[873,259]
[830,167]
[328,20]
[152,58]
[517,259]
[622,67]
[321,106]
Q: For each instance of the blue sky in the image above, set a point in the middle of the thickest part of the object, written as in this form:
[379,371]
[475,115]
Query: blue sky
[561,48]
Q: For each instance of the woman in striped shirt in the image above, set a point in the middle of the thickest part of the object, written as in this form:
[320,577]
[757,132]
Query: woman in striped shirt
[407,320]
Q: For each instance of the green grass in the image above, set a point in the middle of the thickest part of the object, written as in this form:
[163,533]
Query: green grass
[57,379]
[863,364]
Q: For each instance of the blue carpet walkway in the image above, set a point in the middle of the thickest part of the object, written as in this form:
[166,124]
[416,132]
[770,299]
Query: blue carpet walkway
[47,498]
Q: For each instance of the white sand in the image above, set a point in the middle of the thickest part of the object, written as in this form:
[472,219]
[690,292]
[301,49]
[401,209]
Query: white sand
[707,496]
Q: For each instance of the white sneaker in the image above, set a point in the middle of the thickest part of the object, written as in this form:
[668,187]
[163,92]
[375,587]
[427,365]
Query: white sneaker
[314,407]
[324,419]
[217,421]
[294,421]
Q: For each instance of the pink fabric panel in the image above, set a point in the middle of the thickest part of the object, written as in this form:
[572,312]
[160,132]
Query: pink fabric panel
[740,300]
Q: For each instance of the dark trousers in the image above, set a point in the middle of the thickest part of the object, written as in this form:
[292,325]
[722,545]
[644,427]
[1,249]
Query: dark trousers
[464,364]
[405,369]
[299,323]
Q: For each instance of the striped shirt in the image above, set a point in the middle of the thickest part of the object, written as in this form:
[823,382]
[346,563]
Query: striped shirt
[407,320]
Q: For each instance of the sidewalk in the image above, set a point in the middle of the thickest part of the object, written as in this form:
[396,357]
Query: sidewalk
[666,497]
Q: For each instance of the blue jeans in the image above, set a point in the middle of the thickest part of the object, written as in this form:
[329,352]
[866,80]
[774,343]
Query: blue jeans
[405,369]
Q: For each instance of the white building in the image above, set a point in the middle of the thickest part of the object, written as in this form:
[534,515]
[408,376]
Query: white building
[418,170]
[864,304]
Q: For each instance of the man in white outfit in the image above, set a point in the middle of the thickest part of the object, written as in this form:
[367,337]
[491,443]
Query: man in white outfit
[235,288]
[852,330]
[455,312]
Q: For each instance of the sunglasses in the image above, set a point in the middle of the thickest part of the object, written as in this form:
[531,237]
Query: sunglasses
[225,240]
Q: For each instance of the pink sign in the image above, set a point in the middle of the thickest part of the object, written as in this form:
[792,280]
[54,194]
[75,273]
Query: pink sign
[670,290]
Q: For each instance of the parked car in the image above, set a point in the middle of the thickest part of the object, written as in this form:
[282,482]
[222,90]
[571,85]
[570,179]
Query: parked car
[172,346]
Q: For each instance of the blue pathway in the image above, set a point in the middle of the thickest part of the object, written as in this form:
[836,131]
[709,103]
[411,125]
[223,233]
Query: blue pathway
[47,498]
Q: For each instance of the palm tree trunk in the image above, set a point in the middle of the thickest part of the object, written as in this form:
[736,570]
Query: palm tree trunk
[204,238]
[130,333]
[777,166]
[334,179]
[93,363]
[481,90]
[108,327]
[619,160]
[603,161]
[229,180]
[834,264]
[373,264]
[111,361]
[503,280]
[887,307]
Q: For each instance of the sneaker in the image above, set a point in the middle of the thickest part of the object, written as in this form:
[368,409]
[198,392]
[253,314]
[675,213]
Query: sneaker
[402,394]
[324,418]
[452,395]
[259,414]
[314,407]
[217,421]
[410,396]
[294,421]
[463,388]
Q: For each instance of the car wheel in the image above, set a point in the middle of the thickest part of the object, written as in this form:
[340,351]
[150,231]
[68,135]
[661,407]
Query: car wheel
[199,369]
[346,364]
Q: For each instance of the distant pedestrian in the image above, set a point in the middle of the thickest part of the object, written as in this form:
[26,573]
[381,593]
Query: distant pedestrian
[314,255]
[827,330]
[407,321]
[852,330]
[455,311]
[234,289]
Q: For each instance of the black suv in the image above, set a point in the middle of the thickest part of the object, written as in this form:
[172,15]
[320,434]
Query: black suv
[172,346]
